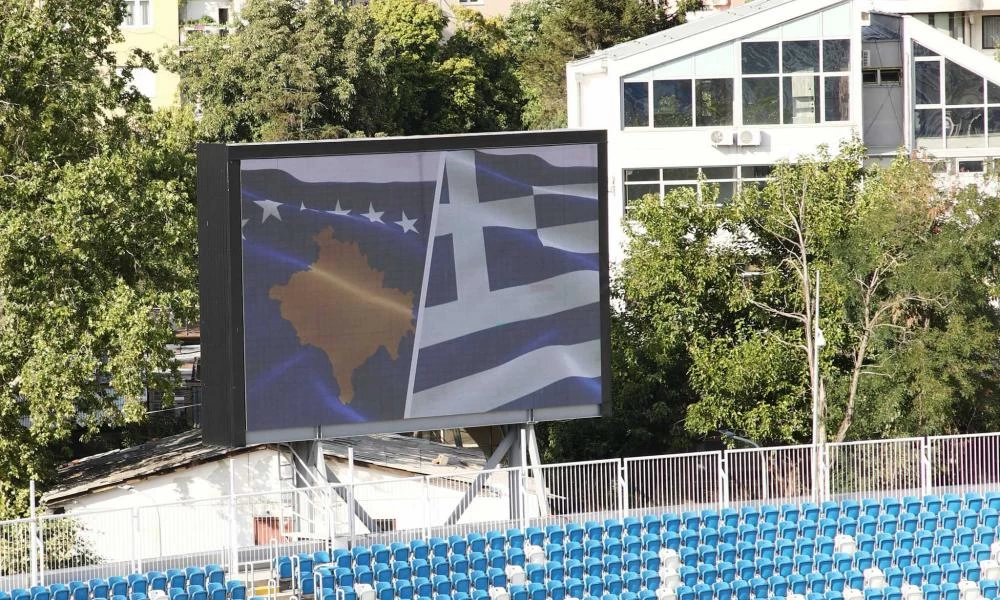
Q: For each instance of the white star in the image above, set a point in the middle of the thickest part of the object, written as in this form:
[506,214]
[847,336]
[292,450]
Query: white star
[372,214]
[339,211]
[302,206]
[245,221]
[407,224]
[270,208]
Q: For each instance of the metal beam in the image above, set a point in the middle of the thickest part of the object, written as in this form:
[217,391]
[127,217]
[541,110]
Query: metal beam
[477,484]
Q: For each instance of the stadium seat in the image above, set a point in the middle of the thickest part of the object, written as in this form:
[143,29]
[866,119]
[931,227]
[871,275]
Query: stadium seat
[78,590]
[216,591]
[99,588]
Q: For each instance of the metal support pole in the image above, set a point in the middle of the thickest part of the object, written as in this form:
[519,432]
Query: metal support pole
[925,466]
[523,475]
[477,484]
[350,495]
[234,552]
[33,534]
[536,471]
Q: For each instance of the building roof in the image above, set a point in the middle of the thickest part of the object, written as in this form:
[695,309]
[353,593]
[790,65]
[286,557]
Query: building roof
[106,470]
[692,28]
[184,450]
[411,454]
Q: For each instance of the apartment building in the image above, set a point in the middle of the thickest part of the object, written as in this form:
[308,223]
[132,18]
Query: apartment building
[727,95]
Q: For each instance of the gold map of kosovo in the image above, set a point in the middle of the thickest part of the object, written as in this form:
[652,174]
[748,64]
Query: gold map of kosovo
[340,306]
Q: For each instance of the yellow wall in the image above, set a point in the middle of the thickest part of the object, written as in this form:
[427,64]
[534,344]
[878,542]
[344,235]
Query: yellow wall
[161,32]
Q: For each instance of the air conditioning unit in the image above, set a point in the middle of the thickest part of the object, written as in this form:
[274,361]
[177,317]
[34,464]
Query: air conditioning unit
[866,59]
[721,137]
[749,137]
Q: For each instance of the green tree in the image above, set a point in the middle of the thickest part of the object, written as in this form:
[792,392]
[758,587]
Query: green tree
[550,34]
[96,236]
[303,70]
[712,324]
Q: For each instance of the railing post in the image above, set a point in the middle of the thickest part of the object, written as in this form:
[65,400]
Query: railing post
[33,533]
[723,480]
[234,552]
[623,499]
[427,508]
[522,476]
[136,534]
[925,466]
[331,530]
[817,473]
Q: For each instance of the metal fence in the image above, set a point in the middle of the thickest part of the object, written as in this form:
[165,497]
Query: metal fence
[238,531]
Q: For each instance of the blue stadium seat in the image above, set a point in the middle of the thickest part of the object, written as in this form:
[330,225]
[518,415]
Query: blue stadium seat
[850,509]
[894,576]
[651,524]
[783,566]
[708,573]
[764,567]
[176,594]
[988,588]
[908,522]
[824,545]
[574,588]
[928,520]
[197,592]
[924,539]
[594,586]
[765,549]
[632,582]
[574,550]
[796,584]
[704,592]
[671,522]
[177,578]
[515,538]
[741,590]
[460,582]
[459,562]
[882,559]
[823,563]
[515,556]
[854,579]
[767,532]
[960,553]
[442,584]
[595,530]
[951,573]
[593,566]
[942,555]
[830,510]
[729,517]
[422,587]
[835,581]
[534,536]
[870,507]
[99,588]
[117,586]
[868,524]
[865,542]
[913,575]
[612,565]
[78,590]
[980,552]
[784,548]
[216,591]
[535,573]
[747,533]
[439,566]
[575,532]
[803,564]
[911,505]
[815,583]
[689,575]
[932,574]
[847,526]
[685,593]
[751,516]
[760,588]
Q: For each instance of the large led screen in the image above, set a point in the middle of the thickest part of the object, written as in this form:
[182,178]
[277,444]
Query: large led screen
[425,288]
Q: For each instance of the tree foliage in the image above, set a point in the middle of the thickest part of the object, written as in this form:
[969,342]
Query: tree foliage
[304,70]
[713,323]
[549,33]
[96,235]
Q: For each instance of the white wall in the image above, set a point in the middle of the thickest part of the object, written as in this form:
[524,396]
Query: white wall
[180,512]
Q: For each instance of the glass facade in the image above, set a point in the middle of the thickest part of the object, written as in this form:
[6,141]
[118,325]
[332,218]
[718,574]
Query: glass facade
[728,180]
[955,107]
[794,74]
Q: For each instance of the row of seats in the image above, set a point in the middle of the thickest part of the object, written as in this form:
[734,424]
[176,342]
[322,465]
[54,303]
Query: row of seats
[195,583]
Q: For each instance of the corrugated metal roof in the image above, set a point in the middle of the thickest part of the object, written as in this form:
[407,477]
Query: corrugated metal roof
[109,469]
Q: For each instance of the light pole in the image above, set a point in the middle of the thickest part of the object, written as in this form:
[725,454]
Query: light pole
[159,520]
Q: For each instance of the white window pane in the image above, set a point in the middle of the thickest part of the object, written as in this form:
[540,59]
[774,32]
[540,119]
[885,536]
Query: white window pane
[837,22]
[144,12]
[803,29]
[144,81]
[717,62]
[672,70]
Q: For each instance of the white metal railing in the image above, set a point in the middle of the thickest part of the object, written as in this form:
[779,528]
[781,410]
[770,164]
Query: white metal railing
[244,529]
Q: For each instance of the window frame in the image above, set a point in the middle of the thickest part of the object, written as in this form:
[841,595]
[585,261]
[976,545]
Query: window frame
[133,9]
[943,107]
[982,33]
[738,180]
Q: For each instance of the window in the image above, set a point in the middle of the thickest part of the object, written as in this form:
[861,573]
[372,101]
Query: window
[955,107]
[991,31]
[136,13]
[223,16]
[951,24]
[714,102]
[636,104]
[728,180]
[672,103]
[890,76]
[808,85]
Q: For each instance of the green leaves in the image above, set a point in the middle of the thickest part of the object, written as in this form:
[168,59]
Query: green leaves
[97,236]
[296,70]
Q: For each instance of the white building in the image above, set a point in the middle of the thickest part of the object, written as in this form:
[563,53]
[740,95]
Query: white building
[729,94]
